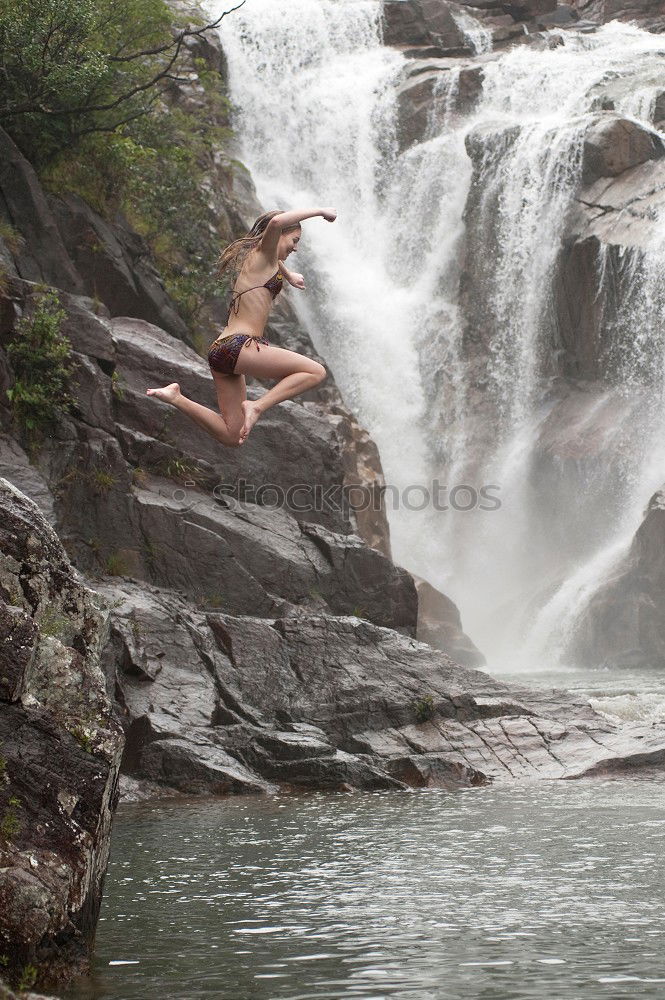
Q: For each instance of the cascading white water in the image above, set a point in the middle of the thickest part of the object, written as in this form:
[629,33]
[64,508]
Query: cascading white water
[316,89]
[476,34]
[316,96]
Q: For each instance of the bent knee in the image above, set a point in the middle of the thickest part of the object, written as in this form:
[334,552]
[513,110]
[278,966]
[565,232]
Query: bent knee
[319,372]
[231,438]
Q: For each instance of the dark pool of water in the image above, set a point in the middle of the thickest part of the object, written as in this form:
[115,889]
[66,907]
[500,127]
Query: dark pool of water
[552,890]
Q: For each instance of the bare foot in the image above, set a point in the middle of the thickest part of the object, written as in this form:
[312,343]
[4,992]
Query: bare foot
[168,394]
[252,414]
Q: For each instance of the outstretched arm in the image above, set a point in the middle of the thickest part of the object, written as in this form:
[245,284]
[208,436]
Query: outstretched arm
[296,215]
[284,220]
[292,277]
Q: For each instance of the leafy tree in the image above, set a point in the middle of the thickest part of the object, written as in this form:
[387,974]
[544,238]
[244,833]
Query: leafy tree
[69,68]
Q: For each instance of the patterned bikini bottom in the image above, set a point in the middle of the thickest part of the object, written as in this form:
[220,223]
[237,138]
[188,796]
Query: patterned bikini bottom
[223,355]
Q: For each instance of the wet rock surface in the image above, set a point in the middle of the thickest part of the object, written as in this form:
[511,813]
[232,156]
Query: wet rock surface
[421,22]
[436,28]
[433,88]
[114,264]
[42,257]
[648,14]
[440,626]
[623,623]
[613,145]
[613,216]
[213,701]
[616,217]
[68,245]
[60,750]
[138,490]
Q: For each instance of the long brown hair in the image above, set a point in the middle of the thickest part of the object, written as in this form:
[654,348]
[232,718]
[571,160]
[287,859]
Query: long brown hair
[236,253]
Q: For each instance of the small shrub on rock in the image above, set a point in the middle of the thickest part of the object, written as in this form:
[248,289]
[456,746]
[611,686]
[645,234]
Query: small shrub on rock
[424,708]
[40,356]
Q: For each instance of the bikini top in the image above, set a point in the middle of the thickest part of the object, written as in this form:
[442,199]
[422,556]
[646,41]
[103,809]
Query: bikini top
[274,286]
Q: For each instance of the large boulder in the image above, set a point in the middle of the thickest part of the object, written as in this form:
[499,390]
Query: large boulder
[16,467]
[422,23]
[60,750]
[440,625]
[213,701]
[649,14]
[615,217]
[429,89]
[624,622]
[613,145]
[425,28]
[42,255]
[115,265]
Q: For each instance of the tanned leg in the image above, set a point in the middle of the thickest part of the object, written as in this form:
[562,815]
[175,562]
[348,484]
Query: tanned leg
[231,394]
[206,418]
[296,374]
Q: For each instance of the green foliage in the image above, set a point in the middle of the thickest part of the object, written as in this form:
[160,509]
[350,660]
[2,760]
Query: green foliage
[27,979]
[150,549]
[13,241]
[70,66]
[82,95]
[53,624]
[102,479]
[424,708]
[10,824]
[152,172]
[10,237]
[214,601]
[40,356]
[137,629]
[116,387]
[83,738]
[95,545]
[116,565]
[181,470]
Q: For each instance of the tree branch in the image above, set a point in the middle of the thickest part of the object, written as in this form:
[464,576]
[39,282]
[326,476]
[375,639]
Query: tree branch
[89,108]
[35,103]
[185,33]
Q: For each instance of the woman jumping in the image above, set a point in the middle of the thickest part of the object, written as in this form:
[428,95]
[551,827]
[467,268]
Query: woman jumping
[258,260]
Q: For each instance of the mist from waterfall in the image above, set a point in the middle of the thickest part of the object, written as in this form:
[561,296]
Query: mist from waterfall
[315,91]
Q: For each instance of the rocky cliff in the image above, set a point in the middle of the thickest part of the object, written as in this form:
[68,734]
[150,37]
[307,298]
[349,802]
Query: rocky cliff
[60,750]
[623,625]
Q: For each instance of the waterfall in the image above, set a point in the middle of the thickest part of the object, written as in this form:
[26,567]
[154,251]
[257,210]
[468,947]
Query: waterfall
[476,34]
[317,116]
[318,127]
